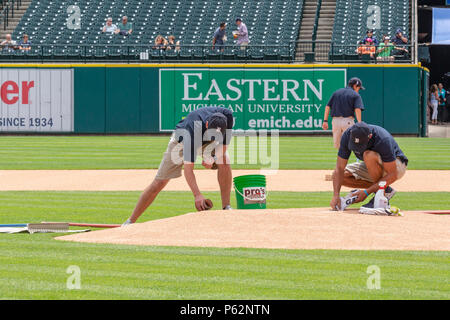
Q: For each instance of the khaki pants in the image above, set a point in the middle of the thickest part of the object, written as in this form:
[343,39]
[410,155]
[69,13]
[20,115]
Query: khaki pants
[340,124]
[360,172]
[172,162]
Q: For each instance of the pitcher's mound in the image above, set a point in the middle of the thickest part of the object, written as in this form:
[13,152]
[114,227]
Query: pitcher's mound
[315,228]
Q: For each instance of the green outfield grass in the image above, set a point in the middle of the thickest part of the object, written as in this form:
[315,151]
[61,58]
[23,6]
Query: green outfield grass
[139,152]
[34,266]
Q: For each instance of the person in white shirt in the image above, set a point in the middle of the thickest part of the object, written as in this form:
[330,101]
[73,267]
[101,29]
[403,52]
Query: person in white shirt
[109,27]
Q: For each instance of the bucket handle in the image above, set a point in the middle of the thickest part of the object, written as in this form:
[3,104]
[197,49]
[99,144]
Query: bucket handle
[249,199]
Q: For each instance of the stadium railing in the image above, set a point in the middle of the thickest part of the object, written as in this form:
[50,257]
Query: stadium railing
[324,52]
[7,8]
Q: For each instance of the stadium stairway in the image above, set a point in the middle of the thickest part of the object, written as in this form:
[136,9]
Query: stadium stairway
[306,29]
[325,29]
[13,22]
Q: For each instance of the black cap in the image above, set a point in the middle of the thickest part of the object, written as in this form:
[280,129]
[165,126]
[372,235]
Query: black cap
[356,81]
[238,19]
[217,121]
[369,31]
[359,137]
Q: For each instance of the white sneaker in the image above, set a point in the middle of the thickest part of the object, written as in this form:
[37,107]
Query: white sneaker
[228,207]
[127,223]
[347,200]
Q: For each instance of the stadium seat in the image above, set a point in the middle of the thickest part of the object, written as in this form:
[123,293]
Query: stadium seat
[192,22]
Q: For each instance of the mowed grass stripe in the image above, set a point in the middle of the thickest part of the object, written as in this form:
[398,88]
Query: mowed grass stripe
[139,152]
[198,273]
[114,207]
[34,266]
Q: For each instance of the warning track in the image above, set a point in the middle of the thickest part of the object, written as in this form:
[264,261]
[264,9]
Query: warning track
[137,180]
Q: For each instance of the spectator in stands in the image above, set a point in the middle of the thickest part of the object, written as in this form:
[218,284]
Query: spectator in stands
[109,27]
[399,38]
[385,50]
[160,43]
[434,98]
[25,44]
[8,44]
[172,44]
[241,34]
[442,101]
[369,35]
[125,28]
[219,37]
[367,48]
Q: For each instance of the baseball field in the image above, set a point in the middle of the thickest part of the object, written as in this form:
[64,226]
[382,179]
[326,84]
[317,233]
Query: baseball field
[98,179]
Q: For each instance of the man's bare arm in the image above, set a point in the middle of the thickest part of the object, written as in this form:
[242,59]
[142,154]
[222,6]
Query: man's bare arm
[192,182]
[391,176]
[325,118]
[338,179]
[358,114]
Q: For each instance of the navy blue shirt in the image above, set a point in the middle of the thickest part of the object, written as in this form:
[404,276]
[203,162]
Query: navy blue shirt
[192,123]
[218,35]
[344,101]
[381,142]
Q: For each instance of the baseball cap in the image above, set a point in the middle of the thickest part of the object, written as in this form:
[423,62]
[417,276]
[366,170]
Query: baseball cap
[356,81]
[359,137]
[369,31]
[217,121]
[238,19]
[398,31]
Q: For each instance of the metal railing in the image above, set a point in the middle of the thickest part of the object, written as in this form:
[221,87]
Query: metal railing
[7,8]
[324,52]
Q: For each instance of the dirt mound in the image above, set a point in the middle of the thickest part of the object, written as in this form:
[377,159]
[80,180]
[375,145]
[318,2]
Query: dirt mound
[315,228]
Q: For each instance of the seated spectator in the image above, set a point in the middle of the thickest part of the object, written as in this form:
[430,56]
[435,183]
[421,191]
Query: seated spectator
[369,35]
[160,43]
[367,48]
[8,44]
[25,44]
[219,37]
[399,40]
[385,50]
[125,28]
[109,27]
[172,44]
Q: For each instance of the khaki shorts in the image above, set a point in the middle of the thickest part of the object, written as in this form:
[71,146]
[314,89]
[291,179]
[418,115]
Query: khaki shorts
[360,172]
[172,162]
[340,124]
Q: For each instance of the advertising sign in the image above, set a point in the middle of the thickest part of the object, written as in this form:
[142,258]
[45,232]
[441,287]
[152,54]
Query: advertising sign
[290,100]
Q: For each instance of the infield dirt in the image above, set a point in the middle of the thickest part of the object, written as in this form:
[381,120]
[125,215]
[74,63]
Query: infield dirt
[314,228]
[137,180]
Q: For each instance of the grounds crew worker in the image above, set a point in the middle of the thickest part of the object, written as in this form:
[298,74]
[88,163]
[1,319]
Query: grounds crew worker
[383,160]
[344,104]
[206,130]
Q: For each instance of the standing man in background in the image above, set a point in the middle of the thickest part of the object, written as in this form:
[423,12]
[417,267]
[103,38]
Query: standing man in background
[219,37]
[241,34]
[442,113]
[345,104]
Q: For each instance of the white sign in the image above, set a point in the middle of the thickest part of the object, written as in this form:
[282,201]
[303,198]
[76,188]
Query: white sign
[36,100]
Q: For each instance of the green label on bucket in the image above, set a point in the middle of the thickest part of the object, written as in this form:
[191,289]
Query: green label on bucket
[254,195]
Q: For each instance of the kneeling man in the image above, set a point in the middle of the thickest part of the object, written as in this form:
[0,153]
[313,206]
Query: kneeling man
[206,130]
[383,160]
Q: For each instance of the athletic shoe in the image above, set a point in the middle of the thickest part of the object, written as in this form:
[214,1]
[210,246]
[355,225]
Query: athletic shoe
[228,207]
[369,204]
[347,200]
[389,192]
[127,223]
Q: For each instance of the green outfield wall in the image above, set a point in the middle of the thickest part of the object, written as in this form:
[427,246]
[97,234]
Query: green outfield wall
[119,98]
